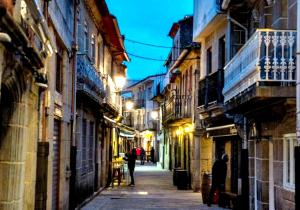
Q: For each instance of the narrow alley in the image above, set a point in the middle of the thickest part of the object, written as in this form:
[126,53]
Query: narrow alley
[153,190]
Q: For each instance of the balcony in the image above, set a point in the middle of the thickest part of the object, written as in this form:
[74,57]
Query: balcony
[139,127]
[140,104]
[110,106]
[151,125]
[265,67]
[89,80]
[177,109]
[210,92]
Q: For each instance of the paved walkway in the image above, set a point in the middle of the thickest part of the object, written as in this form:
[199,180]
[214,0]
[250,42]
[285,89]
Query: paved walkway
[153,190]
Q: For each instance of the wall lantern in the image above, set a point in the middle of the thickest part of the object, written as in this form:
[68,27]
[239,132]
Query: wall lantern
[129,105]
[189,128]
[179,131]
[154,115]
[120,81]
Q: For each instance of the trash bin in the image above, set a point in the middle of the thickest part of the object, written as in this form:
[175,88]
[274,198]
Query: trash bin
[175,176]
[182,179]
[205,187]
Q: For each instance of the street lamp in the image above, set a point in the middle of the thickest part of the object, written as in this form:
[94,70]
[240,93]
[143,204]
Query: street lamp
[120,81]
[154,115]
[129,105]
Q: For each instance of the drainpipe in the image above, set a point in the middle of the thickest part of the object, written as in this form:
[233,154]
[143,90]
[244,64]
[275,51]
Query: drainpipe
[42,24]
[73,151]
[297,148]
[244,169]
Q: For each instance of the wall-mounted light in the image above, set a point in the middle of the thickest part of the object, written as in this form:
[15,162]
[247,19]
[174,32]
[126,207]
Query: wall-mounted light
[179,131]
[129,105]
[189,128]
[154,115]
[120,81]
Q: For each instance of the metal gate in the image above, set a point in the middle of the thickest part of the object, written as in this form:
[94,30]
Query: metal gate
[55,164]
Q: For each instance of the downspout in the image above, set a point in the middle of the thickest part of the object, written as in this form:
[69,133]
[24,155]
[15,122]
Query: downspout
[42,23]
[297,148]
[41,186]
[73,149]
[74,75]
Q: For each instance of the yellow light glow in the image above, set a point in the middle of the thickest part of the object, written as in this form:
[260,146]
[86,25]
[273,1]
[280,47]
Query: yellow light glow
[147,134]
[129,105]
[178,132]
[189,128]
[154,115]
[120,81]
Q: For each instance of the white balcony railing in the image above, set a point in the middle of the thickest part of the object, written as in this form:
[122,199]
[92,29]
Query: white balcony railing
[268,56]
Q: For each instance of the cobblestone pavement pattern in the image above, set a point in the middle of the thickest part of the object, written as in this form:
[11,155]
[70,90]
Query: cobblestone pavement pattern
[153,190]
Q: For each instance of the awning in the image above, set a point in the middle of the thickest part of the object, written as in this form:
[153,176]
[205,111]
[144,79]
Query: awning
[123,130]
[221,131]
[127,135]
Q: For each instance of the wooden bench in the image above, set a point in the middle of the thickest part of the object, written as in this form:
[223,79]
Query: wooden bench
[228,200]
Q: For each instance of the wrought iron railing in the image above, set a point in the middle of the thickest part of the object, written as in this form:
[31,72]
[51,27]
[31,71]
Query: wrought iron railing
[210,90]
[177,106]
[139,127]
[268,56]
[88,79]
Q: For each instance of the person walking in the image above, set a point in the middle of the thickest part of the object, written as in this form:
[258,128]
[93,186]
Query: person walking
[130,157]
[152,155]
[143,153]
[219,172]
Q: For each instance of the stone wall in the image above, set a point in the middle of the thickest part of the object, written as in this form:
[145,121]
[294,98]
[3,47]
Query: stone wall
[18,134]
[259,162]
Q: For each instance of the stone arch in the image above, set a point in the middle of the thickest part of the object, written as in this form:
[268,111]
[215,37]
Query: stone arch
[13,135]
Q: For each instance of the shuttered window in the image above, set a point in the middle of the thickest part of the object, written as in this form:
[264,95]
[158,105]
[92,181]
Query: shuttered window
[84,147]
[91,147]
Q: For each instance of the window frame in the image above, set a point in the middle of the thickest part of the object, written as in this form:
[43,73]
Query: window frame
[84,146]
[288,148]
[93,48]
[90,149]
[59,73]
[209,62]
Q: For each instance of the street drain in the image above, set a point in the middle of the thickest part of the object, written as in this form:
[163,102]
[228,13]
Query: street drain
[116,198]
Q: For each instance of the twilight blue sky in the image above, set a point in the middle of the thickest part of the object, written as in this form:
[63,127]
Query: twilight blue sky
[148,21]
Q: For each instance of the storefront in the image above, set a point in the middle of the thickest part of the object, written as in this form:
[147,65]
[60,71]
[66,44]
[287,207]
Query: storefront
[226,141]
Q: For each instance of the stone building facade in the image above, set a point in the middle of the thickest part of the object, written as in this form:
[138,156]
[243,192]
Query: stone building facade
[178,104]
[55,149]
[259,94]
[144,116]
[98,103]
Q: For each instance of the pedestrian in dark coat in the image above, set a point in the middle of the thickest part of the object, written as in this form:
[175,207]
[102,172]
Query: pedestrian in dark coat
[143,153]
[152,155]
[219,172]
[130,157]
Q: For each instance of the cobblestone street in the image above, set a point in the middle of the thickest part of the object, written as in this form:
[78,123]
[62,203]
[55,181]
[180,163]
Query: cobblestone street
[153,190]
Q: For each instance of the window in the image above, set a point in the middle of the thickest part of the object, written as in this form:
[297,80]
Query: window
[289,143]
[208,61]
[84,153]
[58,75]
[86,38]
[222,49]
[149,92]
[91,147]
[99,54]
[93,45]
